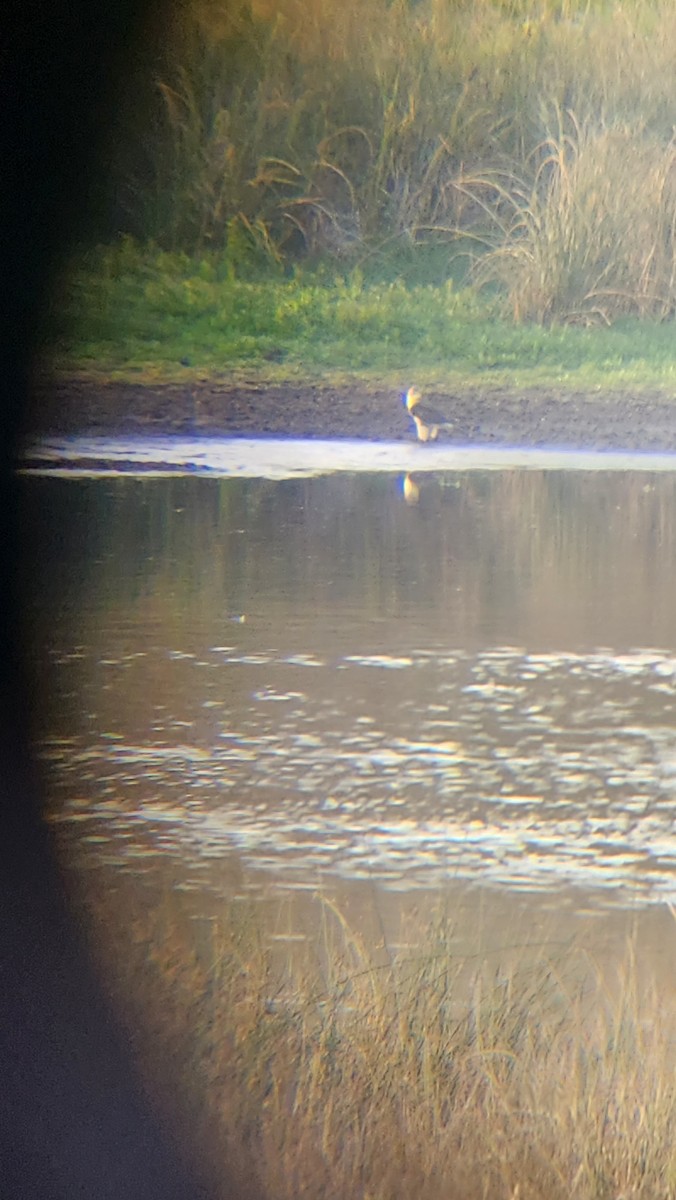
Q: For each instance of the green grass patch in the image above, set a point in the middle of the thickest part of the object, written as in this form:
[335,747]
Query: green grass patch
[135,314]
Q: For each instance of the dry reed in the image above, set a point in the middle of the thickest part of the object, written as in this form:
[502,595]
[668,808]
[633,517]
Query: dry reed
[274,131]
[347,1073]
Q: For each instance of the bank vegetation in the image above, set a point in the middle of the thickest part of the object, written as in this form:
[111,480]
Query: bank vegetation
[341,1071]
[527,142]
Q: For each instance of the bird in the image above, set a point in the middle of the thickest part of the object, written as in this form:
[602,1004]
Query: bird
[428,420]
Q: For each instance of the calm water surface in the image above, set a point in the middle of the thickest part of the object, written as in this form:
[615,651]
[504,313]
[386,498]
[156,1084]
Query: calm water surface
[277,686]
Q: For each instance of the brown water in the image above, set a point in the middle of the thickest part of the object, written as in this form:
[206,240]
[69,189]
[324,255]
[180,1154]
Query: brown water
[270,688]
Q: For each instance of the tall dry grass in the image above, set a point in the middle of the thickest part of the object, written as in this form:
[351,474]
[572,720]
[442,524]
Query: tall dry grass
[349,1074]
[591,234]
[279,128]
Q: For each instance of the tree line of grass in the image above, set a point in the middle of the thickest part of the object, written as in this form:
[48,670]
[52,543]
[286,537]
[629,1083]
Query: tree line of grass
[534,137]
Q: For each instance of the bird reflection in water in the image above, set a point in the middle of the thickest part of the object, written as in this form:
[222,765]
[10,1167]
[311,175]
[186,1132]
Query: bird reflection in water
[434,489]
[410,489]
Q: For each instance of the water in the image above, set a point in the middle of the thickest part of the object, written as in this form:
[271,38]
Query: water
[460,686]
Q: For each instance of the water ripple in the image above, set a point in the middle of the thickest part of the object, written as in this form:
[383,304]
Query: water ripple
[505,768]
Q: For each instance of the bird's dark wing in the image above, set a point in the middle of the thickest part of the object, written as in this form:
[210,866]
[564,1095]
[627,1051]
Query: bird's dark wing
[432,415]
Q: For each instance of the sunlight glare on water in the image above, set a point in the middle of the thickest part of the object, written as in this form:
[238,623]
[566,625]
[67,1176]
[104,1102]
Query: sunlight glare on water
[335,679]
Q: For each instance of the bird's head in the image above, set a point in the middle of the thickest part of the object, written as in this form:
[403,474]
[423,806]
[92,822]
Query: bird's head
[411,398]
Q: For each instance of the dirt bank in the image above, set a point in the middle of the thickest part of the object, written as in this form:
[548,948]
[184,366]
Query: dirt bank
[493,415]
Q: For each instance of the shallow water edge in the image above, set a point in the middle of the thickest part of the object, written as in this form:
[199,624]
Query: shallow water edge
[285,458]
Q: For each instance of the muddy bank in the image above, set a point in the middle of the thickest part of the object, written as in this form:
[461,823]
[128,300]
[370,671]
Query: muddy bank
[486,415]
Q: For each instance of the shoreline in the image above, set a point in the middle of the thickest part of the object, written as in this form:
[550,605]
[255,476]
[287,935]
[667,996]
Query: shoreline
[482,415]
